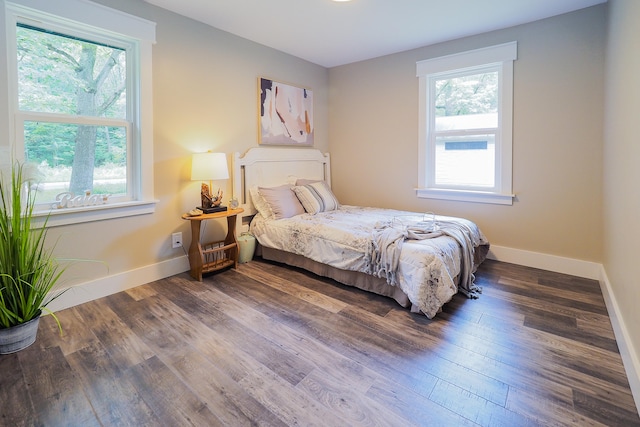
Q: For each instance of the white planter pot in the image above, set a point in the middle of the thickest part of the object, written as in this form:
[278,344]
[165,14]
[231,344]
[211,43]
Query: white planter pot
[247,244]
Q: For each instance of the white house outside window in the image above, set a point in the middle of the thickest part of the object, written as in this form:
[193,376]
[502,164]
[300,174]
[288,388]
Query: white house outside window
[82,107]
[465,125]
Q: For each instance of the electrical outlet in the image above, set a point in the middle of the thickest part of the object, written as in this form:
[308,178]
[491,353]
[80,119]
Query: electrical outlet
[176,240]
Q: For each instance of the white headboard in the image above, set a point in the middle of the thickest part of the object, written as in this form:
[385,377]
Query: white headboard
[270,167]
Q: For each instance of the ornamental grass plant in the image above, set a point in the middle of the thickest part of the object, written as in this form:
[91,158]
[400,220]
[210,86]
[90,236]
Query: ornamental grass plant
[28,269]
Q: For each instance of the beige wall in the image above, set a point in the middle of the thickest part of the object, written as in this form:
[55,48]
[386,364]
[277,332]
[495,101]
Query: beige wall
[205,89]
[205,97]
[621,159]
[557,138]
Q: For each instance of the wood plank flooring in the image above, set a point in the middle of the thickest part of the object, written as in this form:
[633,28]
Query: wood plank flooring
[270,345]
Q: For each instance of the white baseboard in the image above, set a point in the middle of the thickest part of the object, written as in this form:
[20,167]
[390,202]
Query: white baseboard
[102,287]
[623,336]
[589,270]
[557,264]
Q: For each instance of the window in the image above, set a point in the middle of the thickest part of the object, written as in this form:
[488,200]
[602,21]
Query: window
[81,108]
[465,125]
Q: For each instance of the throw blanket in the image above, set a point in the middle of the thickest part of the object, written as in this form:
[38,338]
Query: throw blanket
[383,254]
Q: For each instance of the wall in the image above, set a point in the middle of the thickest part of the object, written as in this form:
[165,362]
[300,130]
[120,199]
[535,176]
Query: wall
[205,97]
[621,171]
[557,138]
[205,89]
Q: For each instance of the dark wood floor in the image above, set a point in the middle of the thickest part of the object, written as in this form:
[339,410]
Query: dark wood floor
[269,345]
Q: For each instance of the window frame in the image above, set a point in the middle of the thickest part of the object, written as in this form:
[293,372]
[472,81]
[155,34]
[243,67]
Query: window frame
[97,23]
[500,58]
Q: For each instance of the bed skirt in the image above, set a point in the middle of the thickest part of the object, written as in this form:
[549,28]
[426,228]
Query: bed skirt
[350,278]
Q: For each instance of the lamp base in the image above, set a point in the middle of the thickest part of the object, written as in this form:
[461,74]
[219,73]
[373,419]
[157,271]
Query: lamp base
[213,209]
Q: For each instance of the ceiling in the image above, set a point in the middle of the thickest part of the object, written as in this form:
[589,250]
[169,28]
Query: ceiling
[332,33]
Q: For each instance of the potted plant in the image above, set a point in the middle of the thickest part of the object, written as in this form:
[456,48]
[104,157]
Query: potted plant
[28,270]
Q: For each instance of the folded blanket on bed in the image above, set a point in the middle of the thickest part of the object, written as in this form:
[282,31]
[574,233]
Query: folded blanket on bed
[383,253]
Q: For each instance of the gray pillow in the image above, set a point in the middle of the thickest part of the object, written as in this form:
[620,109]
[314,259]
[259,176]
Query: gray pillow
[282,201]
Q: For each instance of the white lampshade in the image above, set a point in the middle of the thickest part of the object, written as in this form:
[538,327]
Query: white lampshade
[209,167]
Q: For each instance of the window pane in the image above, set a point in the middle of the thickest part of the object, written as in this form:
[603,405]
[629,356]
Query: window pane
[464,103]
[474,94]
[60,74]
[465,161]
[55,149]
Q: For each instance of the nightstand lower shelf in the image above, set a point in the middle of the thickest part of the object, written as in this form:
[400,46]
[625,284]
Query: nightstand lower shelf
[217,255]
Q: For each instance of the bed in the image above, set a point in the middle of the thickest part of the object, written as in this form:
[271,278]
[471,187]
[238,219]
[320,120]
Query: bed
[417,259]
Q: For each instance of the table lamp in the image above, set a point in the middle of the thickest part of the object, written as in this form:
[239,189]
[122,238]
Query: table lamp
[209,167]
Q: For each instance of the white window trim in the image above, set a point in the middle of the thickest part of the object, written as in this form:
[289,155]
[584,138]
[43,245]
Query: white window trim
[91,16]
[504,55]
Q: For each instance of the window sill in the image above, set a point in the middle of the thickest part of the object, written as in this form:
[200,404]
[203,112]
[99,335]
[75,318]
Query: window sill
[465,196]
[58,217]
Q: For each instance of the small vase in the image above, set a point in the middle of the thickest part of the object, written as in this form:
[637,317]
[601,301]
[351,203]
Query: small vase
[18,337]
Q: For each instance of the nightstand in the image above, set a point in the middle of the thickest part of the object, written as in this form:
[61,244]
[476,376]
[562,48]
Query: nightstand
[213,256]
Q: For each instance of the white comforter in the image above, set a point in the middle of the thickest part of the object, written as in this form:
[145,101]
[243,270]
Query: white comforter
[428,269]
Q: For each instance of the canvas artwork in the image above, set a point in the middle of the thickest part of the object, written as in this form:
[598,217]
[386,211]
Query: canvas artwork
[286,114]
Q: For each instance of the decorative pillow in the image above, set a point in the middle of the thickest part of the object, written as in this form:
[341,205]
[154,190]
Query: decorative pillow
[316,197]
[260,203]
[282,201]
[302,181]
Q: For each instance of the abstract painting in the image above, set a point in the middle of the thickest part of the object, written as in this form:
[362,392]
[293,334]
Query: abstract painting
[286,114]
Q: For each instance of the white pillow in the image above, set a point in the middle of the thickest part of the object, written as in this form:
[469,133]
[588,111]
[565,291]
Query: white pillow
[260,203]
[316,197]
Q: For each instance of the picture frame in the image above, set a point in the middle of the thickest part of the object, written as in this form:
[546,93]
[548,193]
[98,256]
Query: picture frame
[285,115]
